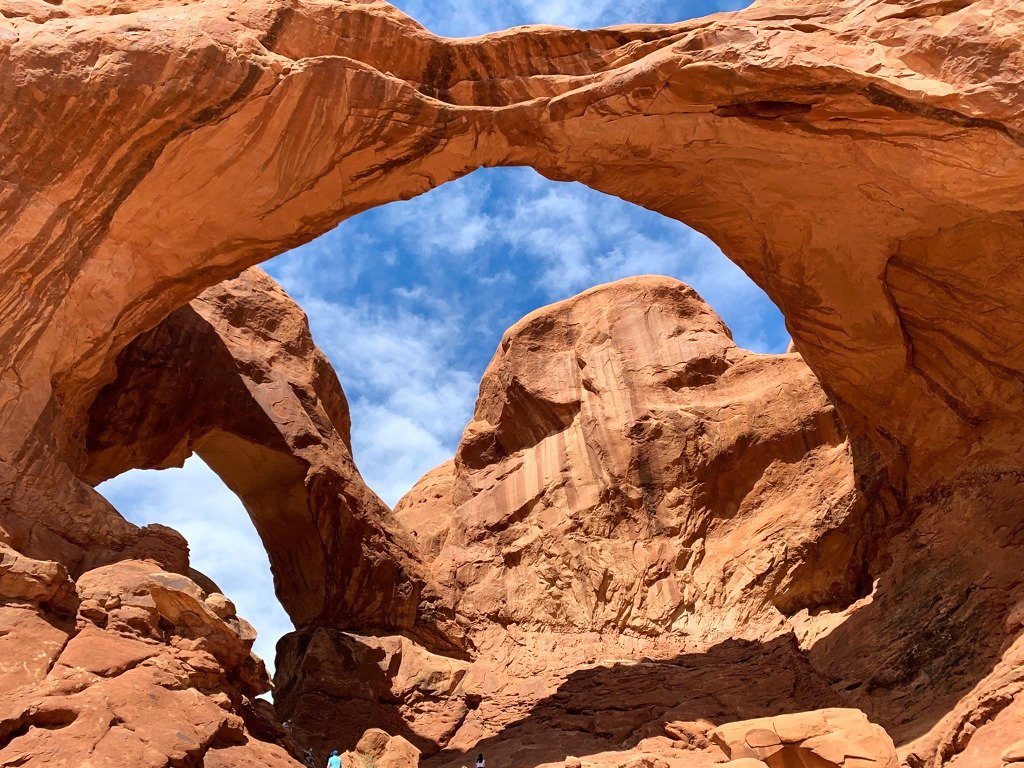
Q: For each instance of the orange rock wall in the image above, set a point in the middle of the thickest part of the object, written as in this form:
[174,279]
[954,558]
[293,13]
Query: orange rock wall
[235,377]
[861,160]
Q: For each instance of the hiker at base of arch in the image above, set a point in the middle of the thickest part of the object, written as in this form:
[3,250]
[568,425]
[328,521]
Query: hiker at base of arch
[334,761]
[480,761]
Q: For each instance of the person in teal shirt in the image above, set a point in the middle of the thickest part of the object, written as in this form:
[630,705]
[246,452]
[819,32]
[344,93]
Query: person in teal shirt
[334,761]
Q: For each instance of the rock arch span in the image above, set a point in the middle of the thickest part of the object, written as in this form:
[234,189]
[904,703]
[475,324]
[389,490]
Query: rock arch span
[861,161]
[844,161]
[235,377]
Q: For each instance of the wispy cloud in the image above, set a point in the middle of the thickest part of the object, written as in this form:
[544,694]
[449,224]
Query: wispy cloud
[409,398]
[462,18]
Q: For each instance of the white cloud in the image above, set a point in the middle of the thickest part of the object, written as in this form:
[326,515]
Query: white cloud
[394,449]
[409,401]
[451,225]
[360,253]
[222,541]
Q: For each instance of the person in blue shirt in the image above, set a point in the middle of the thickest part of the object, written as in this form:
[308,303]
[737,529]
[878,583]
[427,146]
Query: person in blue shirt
[334,761]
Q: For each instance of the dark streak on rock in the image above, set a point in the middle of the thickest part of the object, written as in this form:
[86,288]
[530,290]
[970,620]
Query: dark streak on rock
[883,98]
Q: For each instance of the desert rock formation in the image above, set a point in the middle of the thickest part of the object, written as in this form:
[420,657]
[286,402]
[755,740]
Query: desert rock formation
[131,665]
[378,748]
[633,487]
[880,135]
[861,160]
[629,469]
[234,376]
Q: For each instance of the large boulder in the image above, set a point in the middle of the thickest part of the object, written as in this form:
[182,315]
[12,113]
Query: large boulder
[829,738]
[378,749]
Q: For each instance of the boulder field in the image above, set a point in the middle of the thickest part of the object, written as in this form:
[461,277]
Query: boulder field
[651,548]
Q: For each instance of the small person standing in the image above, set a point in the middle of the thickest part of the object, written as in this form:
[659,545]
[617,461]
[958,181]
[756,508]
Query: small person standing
[334,761]
[480,760]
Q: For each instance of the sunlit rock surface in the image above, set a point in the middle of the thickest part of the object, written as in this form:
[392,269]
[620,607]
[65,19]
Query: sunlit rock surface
[629,469]
[633,489]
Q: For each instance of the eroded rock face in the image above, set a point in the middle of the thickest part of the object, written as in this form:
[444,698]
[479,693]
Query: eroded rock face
[130,666]
[881,134]
[632,486]
[333,685]
[235,377]
[629,469]
[868,263]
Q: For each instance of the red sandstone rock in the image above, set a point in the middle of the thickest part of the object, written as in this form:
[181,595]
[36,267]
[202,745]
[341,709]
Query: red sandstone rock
[1014,753]
[148,675]
[334,686]
[629,471]
[34,582]
[822,95]
[628,468]
[831,738]
[862,160]
[378,749]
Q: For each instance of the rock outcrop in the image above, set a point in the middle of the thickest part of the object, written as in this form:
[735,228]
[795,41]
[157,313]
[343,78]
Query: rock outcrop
[333,685]
[635,488]
[831,738]
[629,469]
[863,161]
[235,377]
[632,486]
[131,665]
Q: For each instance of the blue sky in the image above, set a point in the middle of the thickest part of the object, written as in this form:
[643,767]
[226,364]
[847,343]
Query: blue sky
[462,18]
[410,300]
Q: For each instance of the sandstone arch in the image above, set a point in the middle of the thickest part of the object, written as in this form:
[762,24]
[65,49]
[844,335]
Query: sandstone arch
[860,160]
[845,164]
[235,377]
